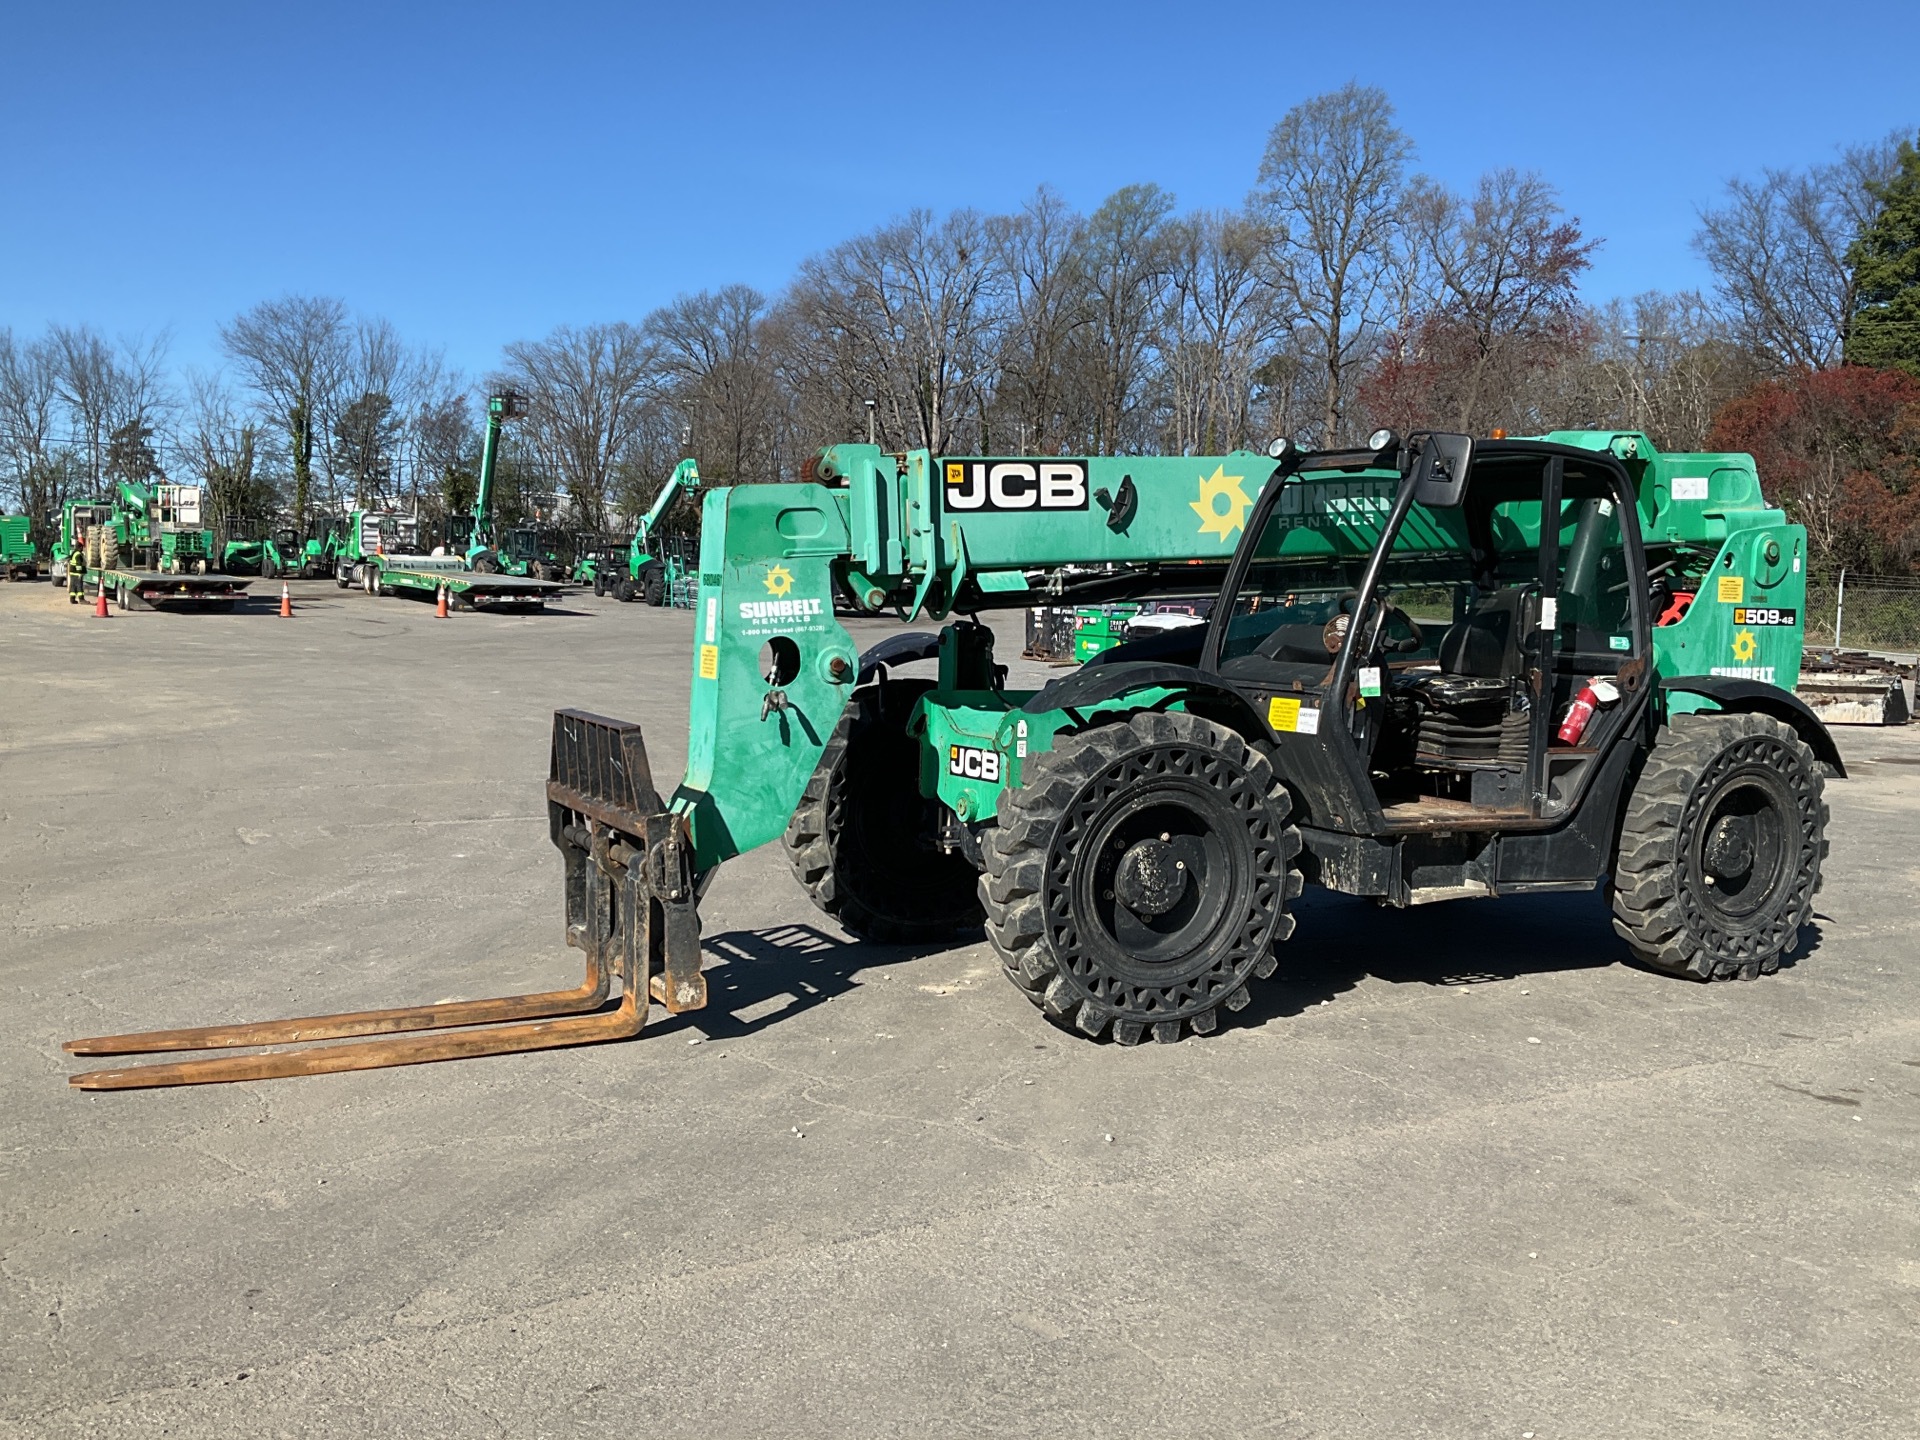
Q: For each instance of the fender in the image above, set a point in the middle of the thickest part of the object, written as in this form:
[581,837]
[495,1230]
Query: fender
[1757,695]
[1090,685]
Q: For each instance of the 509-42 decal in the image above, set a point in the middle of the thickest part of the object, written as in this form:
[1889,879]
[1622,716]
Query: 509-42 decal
[1759,615]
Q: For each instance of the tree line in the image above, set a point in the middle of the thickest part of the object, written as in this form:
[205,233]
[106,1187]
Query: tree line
[1349,291]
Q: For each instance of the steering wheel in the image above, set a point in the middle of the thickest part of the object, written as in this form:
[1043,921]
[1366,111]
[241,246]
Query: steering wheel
[1379,613]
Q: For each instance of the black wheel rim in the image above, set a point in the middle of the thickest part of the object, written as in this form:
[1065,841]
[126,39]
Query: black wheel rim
[1745,855]
[1158,878]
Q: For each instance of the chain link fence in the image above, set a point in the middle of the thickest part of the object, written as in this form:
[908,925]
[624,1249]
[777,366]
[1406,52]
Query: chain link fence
[1876,612]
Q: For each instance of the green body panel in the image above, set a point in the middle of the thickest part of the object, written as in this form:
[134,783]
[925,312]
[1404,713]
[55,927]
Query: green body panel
[985,722]
[1099,628]
[16,548]
[767,556]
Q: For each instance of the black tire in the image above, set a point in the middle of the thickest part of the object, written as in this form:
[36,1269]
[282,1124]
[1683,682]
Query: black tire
[1721,847]
[370,578]
[342,577]
[624,592]
[599,585]
[1105,806]
[486,563]
[656,590]
[862,840]
[268,570]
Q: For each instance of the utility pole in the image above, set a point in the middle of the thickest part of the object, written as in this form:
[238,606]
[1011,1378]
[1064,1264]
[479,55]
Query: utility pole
[870,422]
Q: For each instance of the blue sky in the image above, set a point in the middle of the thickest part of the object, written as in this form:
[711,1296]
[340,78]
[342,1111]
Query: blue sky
[480,173]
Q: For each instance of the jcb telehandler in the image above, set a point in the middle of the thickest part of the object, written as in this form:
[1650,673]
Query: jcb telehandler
[1436,669]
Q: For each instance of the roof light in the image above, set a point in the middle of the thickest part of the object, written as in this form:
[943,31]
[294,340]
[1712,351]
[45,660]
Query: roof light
[1383,439]
[1499,434]
[1280,448]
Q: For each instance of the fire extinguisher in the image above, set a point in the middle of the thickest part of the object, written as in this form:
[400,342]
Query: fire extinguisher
[1592,696]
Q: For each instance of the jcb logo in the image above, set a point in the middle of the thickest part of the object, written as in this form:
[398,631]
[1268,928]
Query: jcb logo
[1016,484]
[973,763]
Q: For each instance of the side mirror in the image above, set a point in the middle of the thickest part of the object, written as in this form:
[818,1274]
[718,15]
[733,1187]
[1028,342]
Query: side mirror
[1440,464]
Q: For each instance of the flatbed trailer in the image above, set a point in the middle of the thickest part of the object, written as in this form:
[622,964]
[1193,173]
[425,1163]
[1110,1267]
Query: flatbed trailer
[421,577]
[150,590]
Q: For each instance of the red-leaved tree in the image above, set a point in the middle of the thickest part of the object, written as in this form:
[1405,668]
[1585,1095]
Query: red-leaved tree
[1839,450]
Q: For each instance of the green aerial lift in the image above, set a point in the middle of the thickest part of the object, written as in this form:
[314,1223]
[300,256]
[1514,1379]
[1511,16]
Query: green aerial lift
[1436,669]
[656,566]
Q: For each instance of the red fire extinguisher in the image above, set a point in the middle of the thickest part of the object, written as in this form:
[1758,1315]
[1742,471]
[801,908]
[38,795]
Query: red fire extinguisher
[1592,696]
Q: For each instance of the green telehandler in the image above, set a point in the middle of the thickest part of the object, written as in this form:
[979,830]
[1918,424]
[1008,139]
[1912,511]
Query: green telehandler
[658,565]
[1435,669]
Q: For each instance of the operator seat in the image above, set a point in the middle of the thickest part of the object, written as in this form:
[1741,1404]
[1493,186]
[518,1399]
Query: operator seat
[1474,712]
[1486,641]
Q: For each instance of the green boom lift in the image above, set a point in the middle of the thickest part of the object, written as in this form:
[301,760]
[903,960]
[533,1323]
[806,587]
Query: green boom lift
[1436,668]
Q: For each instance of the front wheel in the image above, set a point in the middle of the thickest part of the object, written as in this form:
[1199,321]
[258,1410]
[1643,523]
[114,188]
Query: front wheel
[1721,847]
[865,845]
[624,592]
[1140,875]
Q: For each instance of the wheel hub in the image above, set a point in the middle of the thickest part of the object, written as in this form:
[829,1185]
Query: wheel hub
[1730,848]
[1150,878]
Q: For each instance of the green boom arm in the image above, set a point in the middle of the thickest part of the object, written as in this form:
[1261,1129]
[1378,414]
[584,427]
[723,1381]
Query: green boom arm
[685,477]
[773,667]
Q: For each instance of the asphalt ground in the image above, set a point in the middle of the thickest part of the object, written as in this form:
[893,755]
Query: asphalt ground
[1457,1171]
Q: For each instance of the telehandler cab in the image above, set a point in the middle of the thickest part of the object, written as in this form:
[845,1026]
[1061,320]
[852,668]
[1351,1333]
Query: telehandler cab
[1436,669]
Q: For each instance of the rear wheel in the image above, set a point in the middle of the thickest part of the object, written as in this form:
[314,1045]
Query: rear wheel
[1140,876]
[1721,847]
[863,842]
[654,588]
[624,592]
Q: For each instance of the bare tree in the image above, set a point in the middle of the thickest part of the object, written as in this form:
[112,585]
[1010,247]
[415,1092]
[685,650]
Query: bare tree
[1040,254]
[40,471]
[1500,308]
[587,389]
[294,353]
[1330,193]
[1778,248]
[1127,261]
[1217,324]
[708,351]
[903,316]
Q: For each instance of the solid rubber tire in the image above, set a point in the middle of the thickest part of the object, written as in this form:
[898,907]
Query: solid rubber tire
[858,841]
[1660,903]
[1034,858]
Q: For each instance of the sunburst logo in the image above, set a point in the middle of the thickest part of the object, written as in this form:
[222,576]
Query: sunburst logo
[779,580]
[1223,505]
[1744,646]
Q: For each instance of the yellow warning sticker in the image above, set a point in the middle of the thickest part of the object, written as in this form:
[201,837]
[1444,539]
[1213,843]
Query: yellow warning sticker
[1283,714]
[709,662]
[1733,589]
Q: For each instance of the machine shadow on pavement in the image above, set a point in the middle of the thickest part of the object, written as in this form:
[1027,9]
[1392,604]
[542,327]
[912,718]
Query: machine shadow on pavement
[767,976]
[793,963]
[1342,940]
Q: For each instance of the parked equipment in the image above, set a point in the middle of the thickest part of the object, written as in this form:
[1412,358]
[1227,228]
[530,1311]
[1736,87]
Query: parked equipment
[146,548]
[1374,705]
[378,552]
[19,560]
[660,566]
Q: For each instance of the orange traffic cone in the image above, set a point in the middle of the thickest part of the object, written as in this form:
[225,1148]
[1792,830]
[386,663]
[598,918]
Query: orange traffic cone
[286,602]
[440,606]
[100,600]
